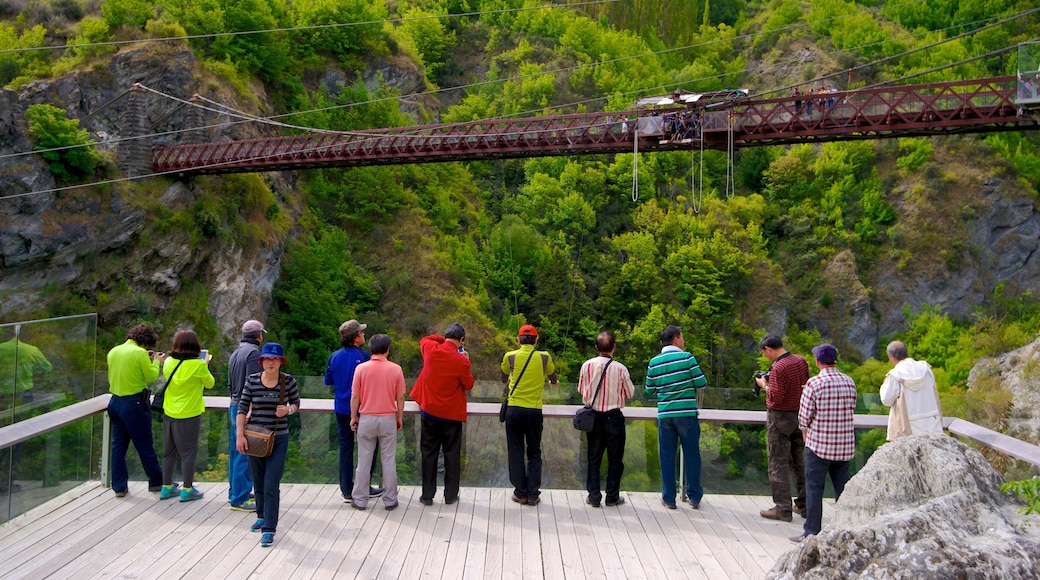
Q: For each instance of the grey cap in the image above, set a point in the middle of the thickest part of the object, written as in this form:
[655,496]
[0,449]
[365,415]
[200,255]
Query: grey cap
[350,327]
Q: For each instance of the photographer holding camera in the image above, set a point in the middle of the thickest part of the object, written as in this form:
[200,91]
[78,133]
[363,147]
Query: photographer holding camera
[784,443]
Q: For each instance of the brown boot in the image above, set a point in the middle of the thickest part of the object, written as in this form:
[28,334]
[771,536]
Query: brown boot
[774,513]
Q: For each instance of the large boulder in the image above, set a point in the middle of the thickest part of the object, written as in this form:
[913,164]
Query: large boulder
[922,507]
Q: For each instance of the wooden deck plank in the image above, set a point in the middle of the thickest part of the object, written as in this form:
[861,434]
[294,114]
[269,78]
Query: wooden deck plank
[88,533]
[567,537]
[623,541]
[494,562]
[672,544]
[461,531]
[476,550]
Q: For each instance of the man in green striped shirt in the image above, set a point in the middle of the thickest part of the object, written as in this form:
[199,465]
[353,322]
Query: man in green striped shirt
[674,377]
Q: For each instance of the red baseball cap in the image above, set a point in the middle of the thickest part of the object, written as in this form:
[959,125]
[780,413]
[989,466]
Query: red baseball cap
[528,330]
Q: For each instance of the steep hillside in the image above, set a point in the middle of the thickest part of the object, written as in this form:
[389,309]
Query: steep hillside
[846,242]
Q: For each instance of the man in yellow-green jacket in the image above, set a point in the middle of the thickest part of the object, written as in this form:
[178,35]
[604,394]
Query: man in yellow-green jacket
[131,366]
[524,371]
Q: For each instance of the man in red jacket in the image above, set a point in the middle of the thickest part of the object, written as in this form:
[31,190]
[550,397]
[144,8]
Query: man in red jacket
[440,392]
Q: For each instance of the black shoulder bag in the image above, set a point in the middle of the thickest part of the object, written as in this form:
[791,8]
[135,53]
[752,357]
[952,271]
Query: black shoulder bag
[505,402]
[160,395]
[585,417]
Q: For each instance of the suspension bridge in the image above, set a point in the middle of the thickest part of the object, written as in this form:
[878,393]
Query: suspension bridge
[942,108]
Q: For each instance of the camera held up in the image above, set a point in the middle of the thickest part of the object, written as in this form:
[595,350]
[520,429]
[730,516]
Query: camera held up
[760,375]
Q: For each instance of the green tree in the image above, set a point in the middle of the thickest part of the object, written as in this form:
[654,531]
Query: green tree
[67,148]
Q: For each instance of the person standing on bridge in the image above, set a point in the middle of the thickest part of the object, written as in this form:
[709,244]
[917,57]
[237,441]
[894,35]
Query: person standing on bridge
[604,385]
[525,383]
[440,391]
[674,377]
[131,366]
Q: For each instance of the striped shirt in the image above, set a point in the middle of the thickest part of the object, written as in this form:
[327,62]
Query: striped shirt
[825,416]
[617,384]
[674,377]
[263,401]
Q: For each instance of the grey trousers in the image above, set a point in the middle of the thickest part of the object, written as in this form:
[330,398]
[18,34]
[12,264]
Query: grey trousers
[373,430]
[180,438]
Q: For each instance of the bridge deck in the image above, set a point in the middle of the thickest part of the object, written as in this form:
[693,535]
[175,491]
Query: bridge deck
[89,533]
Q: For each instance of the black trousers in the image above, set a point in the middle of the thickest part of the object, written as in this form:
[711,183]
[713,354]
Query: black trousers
[524,433]
[435,437]
[607,435]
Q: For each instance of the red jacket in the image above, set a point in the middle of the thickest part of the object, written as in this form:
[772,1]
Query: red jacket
[441,387]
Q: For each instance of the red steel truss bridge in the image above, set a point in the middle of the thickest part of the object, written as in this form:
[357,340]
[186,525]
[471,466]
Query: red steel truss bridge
[945,108]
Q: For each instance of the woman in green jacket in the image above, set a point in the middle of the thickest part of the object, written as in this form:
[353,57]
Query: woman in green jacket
[187,374]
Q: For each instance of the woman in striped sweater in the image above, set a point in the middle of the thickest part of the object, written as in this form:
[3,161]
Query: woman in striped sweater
[263,403]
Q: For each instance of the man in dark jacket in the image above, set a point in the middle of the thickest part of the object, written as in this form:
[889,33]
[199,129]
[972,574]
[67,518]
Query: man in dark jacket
[440,392]
[243,362]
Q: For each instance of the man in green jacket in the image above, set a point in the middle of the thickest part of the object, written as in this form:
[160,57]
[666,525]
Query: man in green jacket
[131,366]
[674,377]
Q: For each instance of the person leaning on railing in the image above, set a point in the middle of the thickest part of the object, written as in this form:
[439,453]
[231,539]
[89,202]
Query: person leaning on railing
[130,368]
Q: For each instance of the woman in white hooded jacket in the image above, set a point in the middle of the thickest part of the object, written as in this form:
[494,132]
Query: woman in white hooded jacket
[909,388]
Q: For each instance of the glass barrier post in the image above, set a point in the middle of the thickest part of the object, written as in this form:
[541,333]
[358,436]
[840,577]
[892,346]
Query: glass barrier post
[106,449]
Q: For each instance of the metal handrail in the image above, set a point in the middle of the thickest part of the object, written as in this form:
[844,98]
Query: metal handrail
[53,420]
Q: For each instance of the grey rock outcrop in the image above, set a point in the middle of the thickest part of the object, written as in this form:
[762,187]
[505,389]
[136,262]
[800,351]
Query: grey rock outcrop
[1017,372]
[922,507]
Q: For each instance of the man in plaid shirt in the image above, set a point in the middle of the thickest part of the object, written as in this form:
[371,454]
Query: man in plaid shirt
[825,417]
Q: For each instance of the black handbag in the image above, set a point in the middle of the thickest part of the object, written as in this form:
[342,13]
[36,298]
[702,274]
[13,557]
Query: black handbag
[585,417]
[505,402]
[160,396]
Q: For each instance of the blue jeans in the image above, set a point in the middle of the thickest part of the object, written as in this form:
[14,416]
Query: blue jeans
[267,476]
[131,420]
[816,471]
[240,482]
[672,432]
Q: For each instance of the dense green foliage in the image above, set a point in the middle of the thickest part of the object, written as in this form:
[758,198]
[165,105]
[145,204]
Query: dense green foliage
[66,147]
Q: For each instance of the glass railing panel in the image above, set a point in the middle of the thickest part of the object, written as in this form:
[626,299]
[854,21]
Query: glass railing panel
[44,365]
[48,465]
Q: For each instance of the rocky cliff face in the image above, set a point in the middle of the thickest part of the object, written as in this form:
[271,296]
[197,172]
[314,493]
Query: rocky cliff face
[102,243]
[922,507]
[967,251]
[1018,372]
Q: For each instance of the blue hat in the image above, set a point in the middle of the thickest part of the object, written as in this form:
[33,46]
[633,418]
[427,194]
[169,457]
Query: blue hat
[826,353]
[273,350]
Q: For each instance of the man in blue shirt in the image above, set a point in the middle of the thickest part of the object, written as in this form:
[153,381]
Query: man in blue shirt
[340,376]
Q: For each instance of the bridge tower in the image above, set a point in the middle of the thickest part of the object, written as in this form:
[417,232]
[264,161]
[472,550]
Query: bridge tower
[134,155]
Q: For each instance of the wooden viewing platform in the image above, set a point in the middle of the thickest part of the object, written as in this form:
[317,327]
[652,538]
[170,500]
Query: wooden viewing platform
[89,533]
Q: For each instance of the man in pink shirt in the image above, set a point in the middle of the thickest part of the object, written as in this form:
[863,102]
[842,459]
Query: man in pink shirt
[376,415]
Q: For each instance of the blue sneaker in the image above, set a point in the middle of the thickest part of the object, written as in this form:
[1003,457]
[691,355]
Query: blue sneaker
[266,539]
[257,526]
[168,491]
[190,494]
